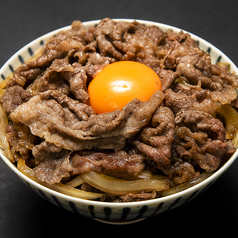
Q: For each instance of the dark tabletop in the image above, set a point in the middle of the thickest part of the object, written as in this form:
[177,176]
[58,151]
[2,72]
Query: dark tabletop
[25,214]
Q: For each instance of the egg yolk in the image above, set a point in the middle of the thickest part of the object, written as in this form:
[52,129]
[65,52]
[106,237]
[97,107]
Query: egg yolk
[119,83]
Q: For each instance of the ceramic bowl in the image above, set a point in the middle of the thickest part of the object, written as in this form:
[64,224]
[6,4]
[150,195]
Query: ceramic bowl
[114,213]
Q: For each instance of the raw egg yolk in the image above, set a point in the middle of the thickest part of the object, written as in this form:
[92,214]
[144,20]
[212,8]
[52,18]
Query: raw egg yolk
[119,83]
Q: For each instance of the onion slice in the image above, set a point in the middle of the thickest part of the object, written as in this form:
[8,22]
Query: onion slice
[231,119]
[3,136]
[76,181]
[123,187]
[62,188]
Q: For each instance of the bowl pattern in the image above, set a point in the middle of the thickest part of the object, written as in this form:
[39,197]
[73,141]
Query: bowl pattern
[114,213]
[127,214]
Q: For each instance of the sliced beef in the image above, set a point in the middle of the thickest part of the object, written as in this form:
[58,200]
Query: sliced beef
[179,171]
[200,137]
[73,126]
[97,59]
[178,101]
[57,47]
[150,60]
[156,141]
[201,122]
[225,77]
[13,97]
[167,77]
[45,151]
[78,83]
[123,40]
[188,68]
[52,170]
[181,55]
[66,78]
[109,32]
[75,74]
[225,96]
[196,67]
[52,79]
[116,164]
[195,100]
[20,139]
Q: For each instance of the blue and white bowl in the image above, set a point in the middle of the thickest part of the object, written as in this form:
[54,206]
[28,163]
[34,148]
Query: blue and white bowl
[114,213]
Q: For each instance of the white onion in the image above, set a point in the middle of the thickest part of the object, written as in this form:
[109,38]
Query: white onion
[76,181]
[3,137]
[123,187]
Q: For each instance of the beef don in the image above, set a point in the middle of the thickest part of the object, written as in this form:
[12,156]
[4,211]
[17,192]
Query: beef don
[175,133]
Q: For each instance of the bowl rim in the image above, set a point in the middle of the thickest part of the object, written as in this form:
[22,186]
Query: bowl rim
[190,190]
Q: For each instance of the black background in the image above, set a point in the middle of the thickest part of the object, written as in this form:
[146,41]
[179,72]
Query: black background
[23,213]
